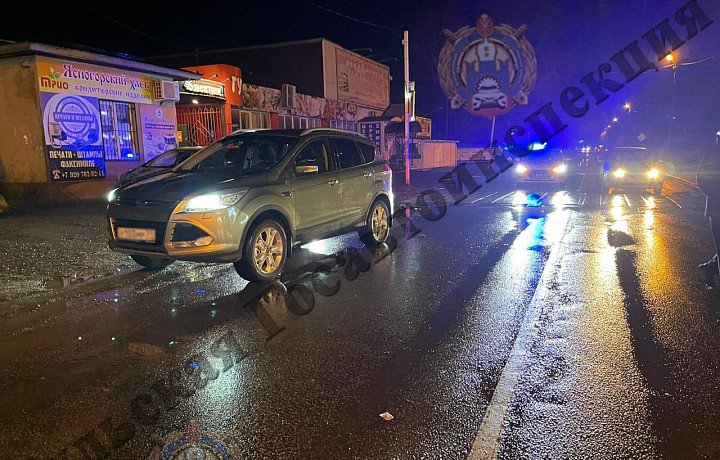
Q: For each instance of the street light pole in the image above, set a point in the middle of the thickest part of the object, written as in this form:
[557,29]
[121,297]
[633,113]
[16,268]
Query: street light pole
[407,107]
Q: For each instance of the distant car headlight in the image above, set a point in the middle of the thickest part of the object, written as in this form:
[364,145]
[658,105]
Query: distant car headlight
[653,173]
[111,195]
[560,169]
[520,169]
[214,201]
[619,173]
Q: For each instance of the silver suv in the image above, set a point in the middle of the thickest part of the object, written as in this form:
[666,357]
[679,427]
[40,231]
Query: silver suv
[253,196]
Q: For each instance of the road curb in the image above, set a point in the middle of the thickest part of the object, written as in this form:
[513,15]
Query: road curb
[683,181]
[60,282]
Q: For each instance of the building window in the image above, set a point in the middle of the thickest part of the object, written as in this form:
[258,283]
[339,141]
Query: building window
[296,122]
[119,127]
[250,119]
[346,125]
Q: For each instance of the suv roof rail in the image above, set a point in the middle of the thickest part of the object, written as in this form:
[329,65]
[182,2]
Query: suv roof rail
[330,130]
[249,130]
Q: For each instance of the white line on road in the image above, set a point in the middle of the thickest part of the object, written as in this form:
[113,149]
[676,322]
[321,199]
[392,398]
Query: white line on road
[504,196]
[483,197]
[627,200]
[582,199]
[487,441]
[674,202]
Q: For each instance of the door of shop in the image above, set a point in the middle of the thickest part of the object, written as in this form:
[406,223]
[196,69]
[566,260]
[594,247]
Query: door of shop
[202,124]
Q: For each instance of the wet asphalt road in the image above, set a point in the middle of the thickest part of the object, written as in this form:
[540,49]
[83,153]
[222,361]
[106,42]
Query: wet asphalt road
[622,360]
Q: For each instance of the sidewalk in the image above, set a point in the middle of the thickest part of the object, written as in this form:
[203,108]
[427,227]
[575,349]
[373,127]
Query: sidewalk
[49,247]
[42,245]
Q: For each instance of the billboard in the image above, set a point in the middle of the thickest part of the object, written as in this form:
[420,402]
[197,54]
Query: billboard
[70,77]
[361,81]
[158,129]
[73,137]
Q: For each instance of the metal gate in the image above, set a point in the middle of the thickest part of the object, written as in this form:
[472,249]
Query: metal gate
[205,123]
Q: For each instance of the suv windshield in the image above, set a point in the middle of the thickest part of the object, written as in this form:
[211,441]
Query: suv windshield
[169,159]
[247,153]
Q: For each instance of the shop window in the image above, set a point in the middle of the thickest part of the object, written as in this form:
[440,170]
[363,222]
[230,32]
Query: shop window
[250,119]
[346,125]
[295,122]
[119,128]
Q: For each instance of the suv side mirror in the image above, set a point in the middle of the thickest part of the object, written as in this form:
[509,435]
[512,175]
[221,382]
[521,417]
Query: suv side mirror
[307,169]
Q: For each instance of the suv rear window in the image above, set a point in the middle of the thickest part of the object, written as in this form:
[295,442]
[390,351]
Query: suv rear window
[347,151]
[367,151]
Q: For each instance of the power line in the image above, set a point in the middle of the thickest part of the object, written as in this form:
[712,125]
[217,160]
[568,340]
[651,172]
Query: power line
[352,18]
[701,60]
[140,32]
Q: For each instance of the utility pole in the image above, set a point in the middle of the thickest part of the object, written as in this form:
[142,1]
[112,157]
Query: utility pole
[407,107]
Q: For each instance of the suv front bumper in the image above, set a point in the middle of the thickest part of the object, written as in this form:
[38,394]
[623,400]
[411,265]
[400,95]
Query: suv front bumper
[196,236]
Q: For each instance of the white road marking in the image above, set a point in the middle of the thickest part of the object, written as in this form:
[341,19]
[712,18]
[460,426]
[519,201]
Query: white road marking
[487,441]
[504,196]
[627,200]
[674,202]
[483,197]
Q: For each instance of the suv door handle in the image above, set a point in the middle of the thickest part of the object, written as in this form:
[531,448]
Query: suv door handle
[333,182]
[368,174]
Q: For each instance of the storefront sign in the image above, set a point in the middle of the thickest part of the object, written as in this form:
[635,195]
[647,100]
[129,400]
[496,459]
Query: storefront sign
[159,129]
[362,81]
[70,77]
[227,75]
[203,88]
[73,138]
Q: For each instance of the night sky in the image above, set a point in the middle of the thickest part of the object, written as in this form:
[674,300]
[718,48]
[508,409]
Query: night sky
[570,38]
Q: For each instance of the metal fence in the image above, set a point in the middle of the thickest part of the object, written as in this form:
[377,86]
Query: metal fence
[205,123]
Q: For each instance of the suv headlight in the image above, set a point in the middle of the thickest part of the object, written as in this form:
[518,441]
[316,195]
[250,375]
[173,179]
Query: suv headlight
[619,173]
[653,173]
[214,201]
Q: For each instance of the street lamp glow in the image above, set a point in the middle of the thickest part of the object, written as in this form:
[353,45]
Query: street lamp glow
[615,119]
[717,133]
[627,106]
[669,58]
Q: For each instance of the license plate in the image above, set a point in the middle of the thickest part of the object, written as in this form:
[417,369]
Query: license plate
[146,235]
[539,174]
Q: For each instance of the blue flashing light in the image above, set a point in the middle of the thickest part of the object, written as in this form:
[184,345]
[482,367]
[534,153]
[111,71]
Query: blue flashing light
[534,200]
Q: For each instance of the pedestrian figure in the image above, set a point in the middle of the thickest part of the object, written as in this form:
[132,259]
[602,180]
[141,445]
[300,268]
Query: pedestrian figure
[708,179]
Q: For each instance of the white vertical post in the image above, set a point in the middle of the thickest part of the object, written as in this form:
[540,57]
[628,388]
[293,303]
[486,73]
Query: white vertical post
[407,107]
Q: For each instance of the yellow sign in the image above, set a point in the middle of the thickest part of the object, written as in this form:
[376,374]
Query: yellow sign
[70,77]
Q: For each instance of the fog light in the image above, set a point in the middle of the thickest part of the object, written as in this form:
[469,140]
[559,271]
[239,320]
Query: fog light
[203,241]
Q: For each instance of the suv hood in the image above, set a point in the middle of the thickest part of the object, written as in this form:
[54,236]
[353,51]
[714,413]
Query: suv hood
[176,185]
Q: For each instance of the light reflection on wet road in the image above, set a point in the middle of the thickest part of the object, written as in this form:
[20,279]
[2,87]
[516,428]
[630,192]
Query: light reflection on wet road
[624,351]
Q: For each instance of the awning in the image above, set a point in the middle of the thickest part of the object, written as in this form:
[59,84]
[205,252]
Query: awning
[398,127]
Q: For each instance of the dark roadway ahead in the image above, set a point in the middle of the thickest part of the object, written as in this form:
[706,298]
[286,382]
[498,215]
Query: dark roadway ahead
[584,331]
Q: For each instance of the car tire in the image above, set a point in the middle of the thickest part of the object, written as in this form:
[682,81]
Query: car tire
[377,224]
[266,241]
[151,262]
